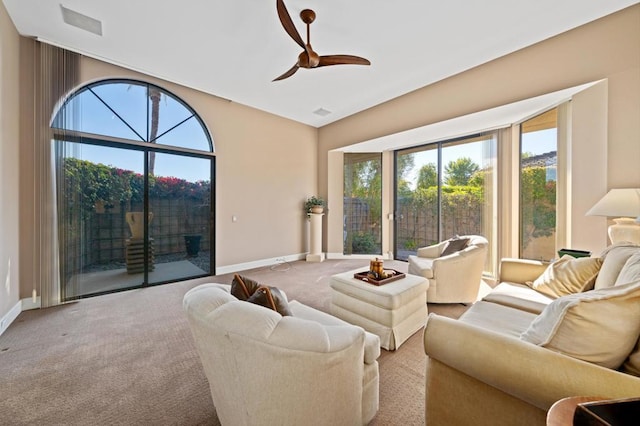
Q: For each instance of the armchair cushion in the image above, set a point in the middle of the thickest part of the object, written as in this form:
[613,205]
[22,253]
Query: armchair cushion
[568,275]
[598,326]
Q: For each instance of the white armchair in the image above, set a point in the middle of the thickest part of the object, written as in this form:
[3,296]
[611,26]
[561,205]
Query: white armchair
[266,369]
[453,278]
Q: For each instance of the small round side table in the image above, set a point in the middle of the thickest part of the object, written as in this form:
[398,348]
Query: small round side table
[561,412]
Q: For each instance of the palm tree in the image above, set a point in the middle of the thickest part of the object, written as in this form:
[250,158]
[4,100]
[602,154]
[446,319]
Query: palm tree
[154,97]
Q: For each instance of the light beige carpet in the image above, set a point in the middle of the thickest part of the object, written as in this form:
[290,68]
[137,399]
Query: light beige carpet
[128,358]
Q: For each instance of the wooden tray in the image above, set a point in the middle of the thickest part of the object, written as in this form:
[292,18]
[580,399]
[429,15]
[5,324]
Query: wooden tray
[364,276]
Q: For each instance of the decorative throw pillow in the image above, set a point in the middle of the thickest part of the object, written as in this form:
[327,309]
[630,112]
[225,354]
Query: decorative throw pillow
[630,271]
[598,326]
[272,298]
[567,275]
[249,290]
[242,287]
[454,245]
[614,258]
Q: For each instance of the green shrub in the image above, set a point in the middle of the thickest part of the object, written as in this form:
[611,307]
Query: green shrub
[363,243]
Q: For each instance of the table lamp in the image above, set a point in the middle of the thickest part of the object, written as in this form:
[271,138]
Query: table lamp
[624,204]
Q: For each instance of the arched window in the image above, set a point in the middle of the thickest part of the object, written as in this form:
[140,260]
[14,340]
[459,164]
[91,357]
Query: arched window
[135,171]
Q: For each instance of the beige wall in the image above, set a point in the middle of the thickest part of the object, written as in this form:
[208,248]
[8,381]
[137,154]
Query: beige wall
[605,49]
[9,143]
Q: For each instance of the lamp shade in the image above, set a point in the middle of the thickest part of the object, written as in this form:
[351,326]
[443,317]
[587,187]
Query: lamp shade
[623,202]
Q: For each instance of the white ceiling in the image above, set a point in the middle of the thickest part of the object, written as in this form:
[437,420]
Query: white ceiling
[234,48]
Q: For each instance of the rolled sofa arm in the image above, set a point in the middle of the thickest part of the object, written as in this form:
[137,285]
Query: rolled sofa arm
[520,270]
[528,372]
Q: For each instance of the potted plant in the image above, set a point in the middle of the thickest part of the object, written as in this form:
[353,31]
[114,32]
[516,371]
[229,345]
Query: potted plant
[314,204]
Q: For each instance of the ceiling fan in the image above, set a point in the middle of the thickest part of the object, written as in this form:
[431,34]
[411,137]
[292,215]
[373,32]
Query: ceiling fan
[308,58]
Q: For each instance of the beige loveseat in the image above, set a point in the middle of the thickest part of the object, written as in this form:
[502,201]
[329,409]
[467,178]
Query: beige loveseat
[268,369]
[483,369]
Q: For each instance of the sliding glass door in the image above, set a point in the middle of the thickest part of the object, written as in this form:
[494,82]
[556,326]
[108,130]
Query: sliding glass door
[445,189]
[538,178]
[107,242]
[180,213]
[417,199]
[362,203]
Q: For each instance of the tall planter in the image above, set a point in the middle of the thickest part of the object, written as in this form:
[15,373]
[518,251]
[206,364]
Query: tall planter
[192,244]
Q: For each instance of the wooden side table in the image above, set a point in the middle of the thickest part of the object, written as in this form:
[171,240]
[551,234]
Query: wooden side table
[561,412]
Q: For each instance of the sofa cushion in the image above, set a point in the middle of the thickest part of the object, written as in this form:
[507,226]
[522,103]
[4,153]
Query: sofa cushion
[568,275]
[598,326]
[498,318]
[519,296]
[630,271]
[614,256]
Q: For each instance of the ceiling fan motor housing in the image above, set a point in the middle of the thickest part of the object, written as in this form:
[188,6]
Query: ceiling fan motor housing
[308,60]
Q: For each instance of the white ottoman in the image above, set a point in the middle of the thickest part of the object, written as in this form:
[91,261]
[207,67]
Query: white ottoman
[393,311]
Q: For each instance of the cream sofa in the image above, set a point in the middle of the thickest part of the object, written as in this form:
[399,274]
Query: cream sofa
[266,369]
[482,371]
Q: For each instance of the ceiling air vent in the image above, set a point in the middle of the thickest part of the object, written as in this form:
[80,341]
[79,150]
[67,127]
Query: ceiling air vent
[322,112]
[81,21]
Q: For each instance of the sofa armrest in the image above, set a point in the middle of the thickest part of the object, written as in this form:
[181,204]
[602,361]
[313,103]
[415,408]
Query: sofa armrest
[528,372]
[520,270]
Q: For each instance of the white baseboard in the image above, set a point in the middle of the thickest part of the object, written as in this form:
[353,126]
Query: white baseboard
[28,303]
[228,269]
[10,316]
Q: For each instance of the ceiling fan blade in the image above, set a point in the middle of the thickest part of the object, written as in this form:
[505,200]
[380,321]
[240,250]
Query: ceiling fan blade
[288,74]
[287,23]
[342,60]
